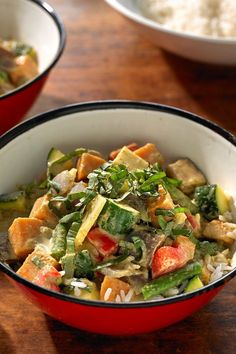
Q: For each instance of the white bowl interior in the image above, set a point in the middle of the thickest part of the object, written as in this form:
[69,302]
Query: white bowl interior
[24,158]
[28,22]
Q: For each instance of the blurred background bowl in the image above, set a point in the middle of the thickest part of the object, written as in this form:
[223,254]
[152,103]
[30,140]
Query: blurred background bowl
[206,49]
[104,126]
[37,24]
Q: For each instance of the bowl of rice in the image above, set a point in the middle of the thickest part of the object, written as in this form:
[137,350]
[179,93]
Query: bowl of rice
[201,30]
[129,271]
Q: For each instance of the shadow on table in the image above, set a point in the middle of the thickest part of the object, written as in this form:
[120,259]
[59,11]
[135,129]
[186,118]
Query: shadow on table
[6,346]
[211,86]
[200,333]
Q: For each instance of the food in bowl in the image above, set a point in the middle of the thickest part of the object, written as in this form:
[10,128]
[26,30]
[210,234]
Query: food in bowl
[214,18]
[121,228]
[18,64]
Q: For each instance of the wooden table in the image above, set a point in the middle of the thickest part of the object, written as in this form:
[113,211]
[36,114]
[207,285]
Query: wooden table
[106,59]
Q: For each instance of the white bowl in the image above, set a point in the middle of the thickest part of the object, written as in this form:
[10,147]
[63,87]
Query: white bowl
[35,23]
[107,125]
[200,48]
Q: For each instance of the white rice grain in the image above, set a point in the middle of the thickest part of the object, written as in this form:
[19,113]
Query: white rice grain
[171,292]
[117,299]
[129,295]
[107,294]
[210,267]
[77,292]
[79,284]
[122,295]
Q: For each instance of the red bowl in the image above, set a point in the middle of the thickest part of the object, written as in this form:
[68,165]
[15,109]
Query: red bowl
[149,122]
[21,20]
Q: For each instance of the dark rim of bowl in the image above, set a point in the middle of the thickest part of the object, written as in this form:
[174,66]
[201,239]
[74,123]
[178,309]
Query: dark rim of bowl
[109,105]
[62,34]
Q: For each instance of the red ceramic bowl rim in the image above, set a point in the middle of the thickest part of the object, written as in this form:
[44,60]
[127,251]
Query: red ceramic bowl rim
[62,34]
[101,105]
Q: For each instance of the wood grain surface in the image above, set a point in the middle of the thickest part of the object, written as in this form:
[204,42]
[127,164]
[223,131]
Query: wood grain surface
[105,58]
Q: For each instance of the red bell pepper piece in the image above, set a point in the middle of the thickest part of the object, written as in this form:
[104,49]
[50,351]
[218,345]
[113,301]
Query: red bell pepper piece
[102,241]
[169,258]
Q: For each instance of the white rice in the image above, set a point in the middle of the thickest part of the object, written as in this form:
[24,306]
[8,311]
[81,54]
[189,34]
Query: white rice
[202,17]
[129,295]
[107,294]
[77,292]
[121,297]
[171,292]
[79,284]
[219,265]
[118,298]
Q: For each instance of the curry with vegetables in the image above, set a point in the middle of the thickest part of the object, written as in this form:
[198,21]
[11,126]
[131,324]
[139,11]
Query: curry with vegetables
[124,228]
[18,64]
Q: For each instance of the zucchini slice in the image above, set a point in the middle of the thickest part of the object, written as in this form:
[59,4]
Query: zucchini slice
[13,201]
[53,167]
[117,219]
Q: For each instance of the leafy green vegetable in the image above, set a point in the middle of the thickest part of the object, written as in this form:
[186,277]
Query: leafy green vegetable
[72,217]
[108,179]
[114,180]
[141,249]
[211,248]
[84,267]
[170,212]
[68,261]
[72,202]
[205,199]
[172,230]
[137,248]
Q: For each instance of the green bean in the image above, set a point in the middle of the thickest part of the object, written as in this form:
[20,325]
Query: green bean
[171,280]
[180,198]
[58,249]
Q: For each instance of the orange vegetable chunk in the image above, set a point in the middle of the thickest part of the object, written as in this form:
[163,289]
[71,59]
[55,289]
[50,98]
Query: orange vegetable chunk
[150,153]
[34,263]
[163,201]
[116,286]
[23,234]
[41,211]
[87,163]
[132,147]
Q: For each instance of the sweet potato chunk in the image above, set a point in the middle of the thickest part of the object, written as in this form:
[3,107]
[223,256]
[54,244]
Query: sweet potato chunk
[23,234]
[34,263]
[150,153]
[41,211]
[87,163]
[116,286]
